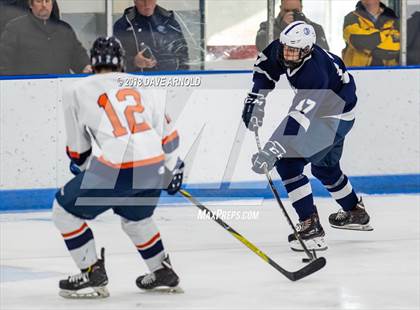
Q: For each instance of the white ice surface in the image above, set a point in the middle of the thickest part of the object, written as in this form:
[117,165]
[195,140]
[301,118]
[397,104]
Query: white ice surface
[365,270]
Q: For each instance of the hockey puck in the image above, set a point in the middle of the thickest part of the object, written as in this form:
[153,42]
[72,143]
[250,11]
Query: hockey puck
[305,260]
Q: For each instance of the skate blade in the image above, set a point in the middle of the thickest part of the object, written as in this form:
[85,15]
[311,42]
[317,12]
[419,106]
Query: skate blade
[86,293]
[317,244]
[165,290]
[358,227]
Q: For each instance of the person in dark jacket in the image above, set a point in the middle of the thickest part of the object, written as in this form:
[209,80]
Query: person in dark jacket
[290,11]
[372,35]
[10,9]
[152,38]
[413,39]
[40,43]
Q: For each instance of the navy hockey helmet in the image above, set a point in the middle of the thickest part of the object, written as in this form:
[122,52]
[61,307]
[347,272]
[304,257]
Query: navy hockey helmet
[107,52]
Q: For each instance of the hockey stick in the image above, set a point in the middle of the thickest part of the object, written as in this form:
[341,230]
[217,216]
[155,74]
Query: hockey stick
[309,269]
[311,256]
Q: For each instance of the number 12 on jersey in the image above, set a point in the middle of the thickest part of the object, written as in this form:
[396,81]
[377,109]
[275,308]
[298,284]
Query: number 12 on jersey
[122,96]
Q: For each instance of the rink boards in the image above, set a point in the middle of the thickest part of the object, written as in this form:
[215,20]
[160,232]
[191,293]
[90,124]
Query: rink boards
[381,153]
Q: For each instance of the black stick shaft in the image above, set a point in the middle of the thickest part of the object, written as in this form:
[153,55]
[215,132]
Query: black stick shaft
[280,203]
[237,235]
[307,270]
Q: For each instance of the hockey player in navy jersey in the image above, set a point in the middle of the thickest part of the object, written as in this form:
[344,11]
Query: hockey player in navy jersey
[136,157]
[313,132]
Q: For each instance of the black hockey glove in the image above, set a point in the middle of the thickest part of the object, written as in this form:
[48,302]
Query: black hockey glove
[268,157]
[253,112]
[174,178]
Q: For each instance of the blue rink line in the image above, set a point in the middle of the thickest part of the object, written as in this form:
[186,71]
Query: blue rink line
[41,199]
[181,72]
[151,73]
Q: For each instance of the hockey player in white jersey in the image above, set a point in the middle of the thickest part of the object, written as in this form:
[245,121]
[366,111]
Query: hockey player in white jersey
[135,158]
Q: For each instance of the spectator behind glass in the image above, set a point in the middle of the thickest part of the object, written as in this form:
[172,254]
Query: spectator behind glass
[152,38]
[40,43]
[10,9]
[413,39]
[372,35]
[290,11]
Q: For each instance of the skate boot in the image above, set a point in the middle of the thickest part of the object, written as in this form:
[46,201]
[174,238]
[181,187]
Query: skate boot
[90,283]
[311,233]
[355,219]
[163,279]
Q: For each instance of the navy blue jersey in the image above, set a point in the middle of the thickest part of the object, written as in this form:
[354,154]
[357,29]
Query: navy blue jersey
[322,77]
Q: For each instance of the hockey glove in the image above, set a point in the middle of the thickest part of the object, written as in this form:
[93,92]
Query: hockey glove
[175,178]
[75,169]
[268,157]
[253,112]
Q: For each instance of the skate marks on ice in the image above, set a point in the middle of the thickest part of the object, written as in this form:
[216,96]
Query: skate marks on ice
[366,270]
[12,274]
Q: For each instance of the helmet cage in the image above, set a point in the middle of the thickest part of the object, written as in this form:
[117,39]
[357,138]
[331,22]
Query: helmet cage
[295,56]
[107,53]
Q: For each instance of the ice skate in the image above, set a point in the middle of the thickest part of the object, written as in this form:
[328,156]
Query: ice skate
[311,233]
[162,280]
[87,284]
[355,219]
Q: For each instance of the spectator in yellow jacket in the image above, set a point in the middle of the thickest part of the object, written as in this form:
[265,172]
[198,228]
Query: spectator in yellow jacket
[372,35]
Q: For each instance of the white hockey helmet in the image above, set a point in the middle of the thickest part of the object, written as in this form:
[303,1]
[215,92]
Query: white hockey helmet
[298,35]
[298,39]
